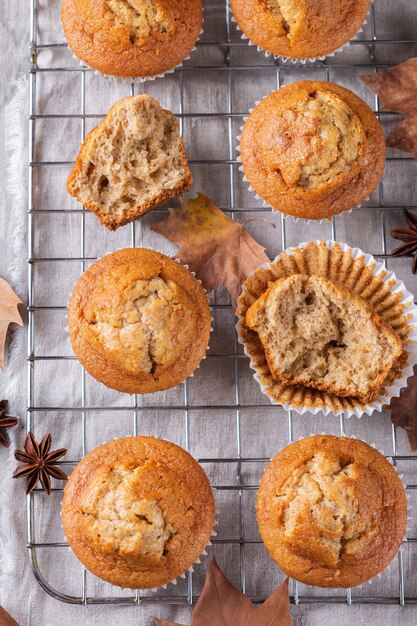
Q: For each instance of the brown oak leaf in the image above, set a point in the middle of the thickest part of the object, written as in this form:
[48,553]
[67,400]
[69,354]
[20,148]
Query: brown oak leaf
[8,314]
[404,411]
[222,604]
[215,247]
[397,88]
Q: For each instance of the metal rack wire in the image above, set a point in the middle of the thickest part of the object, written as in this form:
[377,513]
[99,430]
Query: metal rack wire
[228,62]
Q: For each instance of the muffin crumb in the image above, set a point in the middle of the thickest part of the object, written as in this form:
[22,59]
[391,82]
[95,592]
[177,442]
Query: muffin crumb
[122,523]
[322,491]
[317,334]
[314,143]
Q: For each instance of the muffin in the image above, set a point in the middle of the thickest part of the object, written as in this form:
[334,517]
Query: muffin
[138,512]
[300,30]
[332,512]
[323,320]
[135,39]
[313,149]
[320,335]
[131,162]
[138,321]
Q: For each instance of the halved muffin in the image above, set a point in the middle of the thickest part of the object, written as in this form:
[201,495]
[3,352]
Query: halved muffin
[318,334]
[131,162]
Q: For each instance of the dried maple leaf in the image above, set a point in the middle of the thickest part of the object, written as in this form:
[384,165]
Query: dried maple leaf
[8,314]
[397,88]
[215,247]
[222,604]
[404,411]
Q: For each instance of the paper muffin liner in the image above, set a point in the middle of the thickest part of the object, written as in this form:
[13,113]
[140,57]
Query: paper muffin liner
[289,60]
[365,277]
[177,260]
[265,204]
[134,79]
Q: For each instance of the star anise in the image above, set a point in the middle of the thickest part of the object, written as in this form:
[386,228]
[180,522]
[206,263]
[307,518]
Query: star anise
[409,237]
[39,463]
[6,421]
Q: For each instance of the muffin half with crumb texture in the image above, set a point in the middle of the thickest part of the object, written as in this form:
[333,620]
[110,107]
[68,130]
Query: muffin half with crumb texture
[138,321]
[320,335]
[312,150]
[131,162]
[132,38]
[138,512]
[300,29]
[332,512]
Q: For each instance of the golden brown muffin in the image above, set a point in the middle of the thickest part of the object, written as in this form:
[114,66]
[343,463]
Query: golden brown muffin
[313,149]
[332,512]
[138,512]
[300,29]
[139,322]
[320,335]
[135,38]
[131,162]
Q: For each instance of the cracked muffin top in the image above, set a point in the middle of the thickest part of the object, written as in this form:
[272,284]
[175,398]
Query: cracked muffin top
[300,29]
[138,512]
[132,38]
[331,511]
[138,321]
[312,149]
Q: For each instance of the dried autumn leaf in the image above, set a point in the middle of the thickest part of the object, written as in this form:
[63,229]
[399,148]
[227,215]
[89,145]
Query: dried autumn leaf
[222,604]
[6,619]
[404,411]
[8,314]
[397,88]
[215,247]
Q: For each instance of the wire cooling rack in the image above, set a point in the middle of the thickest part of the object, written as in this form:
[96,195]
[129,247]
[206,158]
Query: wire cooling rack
[210,94]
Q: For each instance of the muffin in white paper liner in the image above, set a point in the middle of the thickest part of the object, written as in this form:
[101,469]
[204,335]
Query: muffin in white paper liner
[265,204]
[135,79]
[363,275]
[177,260]
[298,61]
[208,528]
[409,510]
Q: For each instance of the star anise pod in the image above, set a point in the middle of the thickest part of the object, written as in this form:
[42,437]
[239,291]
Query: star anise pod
[409,237]
[6,421]
[39,463]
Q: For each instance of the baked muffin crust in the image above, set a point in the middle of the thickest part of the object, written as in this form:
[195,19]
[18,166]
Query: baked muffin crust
[132,38]
[138,321]
[138,511]
[313,149]
[300,29]
[331,511]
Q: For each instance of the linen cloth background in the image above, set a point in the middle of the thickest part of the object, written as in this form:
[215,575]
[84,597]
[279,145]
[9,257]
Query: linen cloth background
[212,433]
